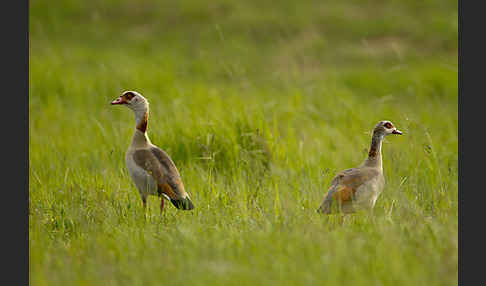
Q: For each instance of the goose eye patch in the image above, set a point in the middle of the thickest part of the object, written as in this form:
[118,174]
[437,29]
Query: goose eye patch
[129,95]
[388,125]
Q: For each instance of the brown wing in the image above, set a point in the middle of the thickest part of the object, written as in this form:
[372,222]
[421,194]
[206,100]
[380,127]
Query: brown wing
[159,165]
[173,178]
[353,178]
[344,186]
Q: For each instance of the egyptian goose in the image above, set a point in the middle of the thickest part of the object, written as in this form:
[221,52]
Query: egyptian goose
[150,168]
[358,188]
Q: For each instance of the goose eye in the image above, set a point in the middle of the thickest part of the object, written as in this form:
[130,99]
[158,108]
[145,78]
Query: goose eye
[388,125]
[129,95]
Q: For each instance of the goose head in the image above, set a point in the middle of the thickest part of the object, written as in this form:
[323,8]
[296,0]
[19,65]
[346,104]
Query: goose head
[385,127]
[133,100]
[138,104]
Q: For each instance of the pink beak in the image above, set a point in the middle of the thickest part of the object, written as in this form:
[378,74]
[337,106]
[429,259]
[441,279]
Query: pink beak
[396,131]
[119,100]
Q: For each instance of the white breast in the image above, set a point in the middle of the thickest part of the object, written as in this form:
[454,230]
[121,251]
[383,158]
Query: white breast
[367,194]
[145,184]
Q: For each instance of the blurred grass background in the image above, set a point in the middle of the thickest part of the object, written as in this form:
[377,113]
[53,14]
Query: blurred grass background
[259,104]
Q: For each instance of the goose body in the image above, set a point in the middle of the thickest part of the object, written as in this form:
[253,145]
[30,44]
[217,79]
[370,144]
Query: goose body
[360,187]
[151,169]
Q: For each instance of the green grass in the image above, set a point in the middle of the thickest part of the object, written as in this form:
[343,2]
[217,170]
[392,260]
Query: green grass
[259,104]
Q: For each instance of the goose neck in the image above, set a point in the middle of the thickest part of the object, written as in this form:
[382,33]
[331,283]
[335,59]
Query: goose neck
[374,155]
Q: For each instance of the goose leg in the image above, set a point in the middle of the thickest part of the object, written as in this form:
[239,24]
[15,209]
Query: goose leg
[341,220]
[161,204]
[144,202]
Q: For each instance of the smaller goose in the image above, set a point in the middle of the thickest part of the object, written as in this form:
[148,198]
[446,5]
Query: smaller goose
[150,168]
[358,188]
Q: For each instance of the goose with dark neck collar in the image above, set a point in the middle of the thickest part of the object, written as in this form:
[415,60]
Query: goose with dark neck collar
[151,169]
[359,188]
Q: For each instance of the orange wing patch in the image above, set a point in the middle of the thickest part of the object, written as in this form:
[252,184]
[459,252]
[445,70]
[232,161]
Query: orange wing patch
[343,194]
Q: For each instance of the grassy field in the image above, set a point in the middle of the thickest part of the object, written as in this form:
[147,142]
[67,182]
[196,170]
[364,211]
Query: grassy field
[259,104]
